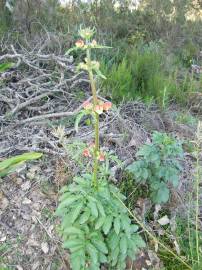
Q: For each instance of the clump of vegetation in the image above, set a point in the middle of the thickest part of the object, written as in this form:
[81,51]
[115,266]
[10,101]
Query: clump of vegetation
[95,227]
[158,165]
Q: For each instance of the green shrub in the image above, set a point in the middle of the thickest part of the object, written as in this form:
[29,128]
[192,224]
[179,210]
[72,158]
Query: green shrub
[158,166]
[95,226]
[119,81]
[140,74]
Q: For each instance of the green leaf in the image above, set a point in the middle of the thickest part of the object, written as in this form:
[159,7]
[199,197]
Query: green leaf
[117,225]
[113,240]
[93,208]
[71,50]
[107,224]
[76,263]
[92,252]
[134,228]
[101,208]
[73,243]
[123,244]
[100,245]
[125,220]
[8,164]
[115,254]
[78,119]
[76,212]
[102,258]
[73,230]
[85,216]
[67,202]
[174,180]
[5,66]
[100,222]
[138,241]
[162,195]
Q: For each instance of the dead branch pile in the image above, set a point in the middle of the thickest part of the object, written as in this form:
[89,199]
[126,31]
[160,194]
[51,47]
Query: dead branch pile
[37,87]
[42,90]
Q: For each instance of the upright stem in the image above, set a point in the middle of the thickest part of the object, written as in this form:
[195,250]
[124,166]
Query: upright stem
[96,125]
[197,202]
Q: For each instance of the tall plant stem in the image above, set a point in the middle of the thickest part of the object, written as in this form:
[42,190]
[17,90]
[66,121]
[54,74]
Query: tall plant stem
[197,191]
[96,125]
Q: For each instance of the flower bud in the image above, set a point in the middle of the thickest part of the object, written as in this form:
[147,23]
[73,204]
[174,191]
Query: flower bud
[87,105]
[86,153]
[80,43]
[107,105]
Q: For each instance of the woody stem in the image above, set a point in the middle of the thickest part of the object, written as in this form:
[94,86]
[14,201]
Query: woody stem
[96,125]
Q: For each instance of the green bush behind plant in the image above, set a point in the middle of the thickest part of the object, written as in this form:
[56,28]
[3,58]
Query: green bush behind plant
[158,165]
[146,72]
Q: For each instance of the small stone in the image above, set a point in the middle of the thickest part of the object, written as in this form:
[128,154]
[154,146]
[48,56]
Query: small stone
[26,201]
[45,247]
[3,239]
[164,220]
[25,186]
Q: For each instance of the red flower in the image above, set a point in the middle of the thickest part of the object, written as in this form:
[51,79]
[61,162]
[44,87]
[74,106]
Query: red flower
[86,153]
[107,105]
[99,109]
[101,156]
[87,105]
[80,43]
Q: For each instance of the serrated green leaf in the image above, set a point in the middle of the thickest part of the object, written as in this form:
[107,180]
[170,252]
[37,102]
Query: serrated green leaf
[161,195]
[64,196]
[123,244]
[76,212]
[67,202]
[93,208]
[73,230]
[100,222]
[113,240]
[85,216]
[100,245]
[107,224]
[92,252]
[102,258]
[73,243]
[125,221]
[115,255]
[117,225]
[100,208]
[138,241]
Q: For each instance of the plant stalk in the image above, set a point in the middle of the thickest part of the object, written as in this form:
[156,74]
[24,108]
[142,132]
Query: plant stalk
[197,192]
[96,124]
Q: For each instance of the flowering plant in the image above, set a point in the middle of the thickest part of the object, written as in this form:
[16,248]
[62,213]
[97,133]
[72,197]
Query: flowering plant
[95,226]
